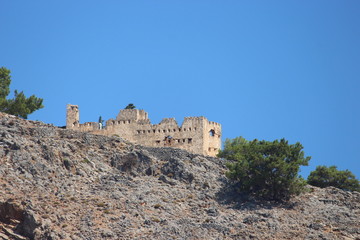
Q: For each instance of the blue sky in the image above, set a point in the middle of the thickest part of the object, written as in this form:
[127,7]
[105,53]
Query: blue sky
[263,69]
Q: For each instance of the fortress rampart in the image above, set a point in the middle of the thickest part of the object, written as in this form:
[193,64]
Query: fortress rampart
[196,134]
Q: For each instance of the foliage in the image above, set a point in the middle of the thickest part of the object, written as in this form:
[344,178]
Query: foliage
[264,169]
[130,106]
[101,123]
[101,120]
[20,105]
[5,80]
[329,176]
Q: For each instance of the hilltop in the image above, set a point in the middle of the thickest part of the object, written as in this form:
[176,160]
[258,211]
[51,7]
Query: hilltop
[63,184]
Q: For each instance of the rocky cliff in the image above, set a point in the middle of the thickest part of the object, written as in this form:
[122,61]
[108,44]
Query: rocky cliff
[63,184]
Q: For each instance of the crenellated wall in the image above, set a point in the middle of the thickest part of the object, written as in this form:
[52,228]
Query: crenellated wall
[196,134]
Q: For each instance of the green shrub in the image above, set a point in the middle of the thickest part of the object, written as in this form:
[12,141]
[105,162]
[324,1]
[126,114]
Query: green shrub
[85,160]
[267,170]
[156,206]
[107,211]
[329,176]
[100,204]
[155,219]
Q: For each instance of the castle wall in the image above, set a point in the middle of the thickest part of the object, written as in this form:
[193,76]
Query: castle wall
[196,134]
[132,114]
[73,118]
[88,127]
[168,133]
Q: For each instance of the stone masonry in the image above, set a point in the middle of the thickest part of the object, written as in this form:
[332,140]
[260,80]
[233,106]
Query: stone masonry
[196,134]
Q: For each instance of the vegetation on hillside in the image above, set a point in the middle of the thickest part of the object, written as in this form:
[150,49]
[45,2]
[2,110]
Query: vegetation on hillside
[324,176]
[20,105]
[264,169]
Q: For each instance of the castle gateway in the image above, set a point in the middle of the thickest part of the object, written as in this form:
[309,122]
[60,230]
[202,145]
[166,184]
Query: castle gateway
[196,134]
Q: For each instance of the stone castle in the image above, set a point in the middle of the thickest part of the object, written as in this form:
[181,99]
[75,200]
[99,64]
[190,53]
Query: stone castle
[196,134]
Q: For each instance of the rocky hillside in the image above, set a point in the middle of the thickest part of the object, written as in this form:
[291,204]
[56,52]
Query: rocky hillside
[62,184]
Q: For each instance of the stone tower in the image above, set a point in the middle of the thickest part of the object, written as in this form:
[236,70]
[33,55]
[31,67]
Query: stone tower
[72,116]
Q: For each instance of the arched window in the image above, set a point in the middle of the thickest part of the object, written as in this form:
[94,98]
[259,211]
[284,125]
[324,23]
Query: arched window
[212,133]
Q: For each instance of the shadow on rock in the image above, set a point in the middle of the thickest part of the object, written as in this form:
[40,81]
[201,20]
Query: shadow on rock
[17,222]
[229,195]
[133,162]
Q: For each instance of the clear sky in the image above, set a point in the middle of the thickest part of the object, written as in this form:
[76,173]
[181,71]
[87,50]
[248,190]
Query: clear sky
[263,69]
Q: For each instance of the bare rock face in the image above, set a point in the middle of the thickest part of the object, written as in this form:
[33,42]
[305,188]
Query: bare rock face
[63,184]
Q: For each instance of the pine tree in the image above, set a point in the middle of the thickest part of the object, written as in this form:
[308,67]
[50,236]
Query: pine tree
[264,169]
[329,176]
[20,105]
[130,106]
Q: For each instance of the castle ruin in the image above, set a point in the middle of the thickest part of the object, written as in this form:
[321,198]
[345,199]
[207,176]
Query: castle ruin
[196,134]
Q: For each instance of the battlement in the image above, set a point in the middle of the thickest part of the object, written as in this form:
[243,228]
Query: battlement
[132,114]
[196,134]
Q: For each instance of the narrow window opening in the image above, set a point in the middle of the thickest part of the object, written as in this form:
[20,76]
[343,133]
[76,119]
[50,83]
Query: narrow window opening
[189,140]
[168,140]
[212,133]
